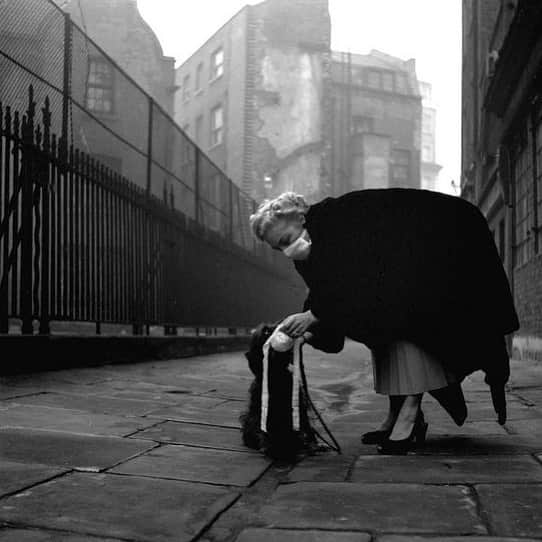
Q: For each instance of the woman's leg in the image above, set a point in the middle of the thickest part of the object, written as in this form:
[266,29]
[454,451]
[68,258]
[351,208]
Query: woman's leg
[406,418]
[395,404]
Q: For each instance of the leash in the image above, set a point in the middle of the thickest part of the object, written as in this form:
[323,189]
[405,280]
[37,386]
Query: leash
[299,383]
[335,446]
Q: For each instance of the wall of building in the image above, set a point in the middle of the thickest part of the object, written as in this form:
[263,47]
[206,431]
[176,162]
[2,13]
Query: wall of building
[118,29]
[290,41]
[429,167]
[502,145]
[376,125]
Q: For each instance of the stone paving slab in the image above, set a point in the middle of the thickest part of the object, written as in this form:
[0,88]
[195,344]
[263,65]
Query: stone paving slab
[31,535]
[283,535]
[14,392]
[91,403]
[514,411]
[532,395]
[483,444]
[206,436]
[197,465]
[484,397]
[436,427]
[398,508]
[512,509]
[470,429]
[410,538]
[132,380]
[325,467]
[200,410]
[130,507]
[447,470]
[16,476]
[67,449]
[60,419]
[525,427]
[142,391]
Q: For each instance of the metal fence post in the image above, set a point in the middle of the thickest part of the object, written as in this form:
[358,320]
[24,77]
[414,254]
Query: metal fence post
[27,224]
[66,91]
[197,185]
[149,146]
[231,210]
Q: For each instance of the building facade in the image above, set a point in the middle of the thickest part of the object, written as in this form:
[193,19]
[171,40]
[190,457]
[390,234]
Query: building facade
[376,126]
[114,111]
[274,107]
[429,167]
[502,144]
[252,95]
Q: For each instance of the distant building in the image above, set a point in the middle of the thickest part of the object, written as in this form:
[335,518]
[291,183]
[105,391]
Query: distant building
[118,28]
[376,122]
[430,168]
[273,107]
[502,144]
[251,97]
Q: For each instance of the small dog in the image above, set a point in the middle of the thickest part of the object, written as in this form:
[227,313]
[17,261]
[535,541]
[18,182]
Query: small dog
[288,435]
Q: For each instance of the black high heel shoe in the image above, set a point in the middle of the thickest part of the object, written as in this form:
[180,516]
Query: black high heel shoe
[375,437]
[403,446]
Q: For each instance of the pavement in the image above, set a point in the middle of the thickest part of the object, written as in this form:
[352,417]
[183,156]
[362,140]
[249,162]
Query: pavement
[152,452]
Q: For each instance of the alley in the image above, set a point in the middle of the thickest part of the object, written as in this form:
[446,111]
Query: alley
[152,452]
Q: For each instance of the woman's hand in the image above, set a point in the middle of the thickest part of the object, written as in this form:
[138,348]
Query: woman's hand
[296,324]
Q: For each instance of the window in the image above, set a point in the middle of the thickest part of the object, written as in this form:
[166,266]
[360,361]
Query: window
[387,81]
[427,153]
[401,84]
[186,88]
[373,79]
[361,124]
[100,91]
[427,122]
[199,129]
[400,165]
[217,63]
[502,240]
[217,125]
[522,171]
[199,73]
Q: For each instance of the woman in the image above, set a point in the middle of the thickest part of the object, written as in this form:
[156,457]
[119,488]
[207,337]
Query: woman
[412,274]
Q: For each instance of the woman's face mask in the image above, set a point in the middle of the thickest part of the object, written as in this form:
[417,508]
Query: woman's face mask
[299,249]
[291,238]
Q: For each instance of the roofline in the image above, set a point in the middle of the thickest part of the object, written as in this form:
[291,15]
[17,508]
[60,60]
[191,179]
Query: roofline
[212,36]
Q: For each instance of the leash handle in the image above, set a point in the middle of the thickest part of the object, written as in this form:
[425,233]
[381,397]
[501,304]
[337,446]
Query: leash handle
[335,446]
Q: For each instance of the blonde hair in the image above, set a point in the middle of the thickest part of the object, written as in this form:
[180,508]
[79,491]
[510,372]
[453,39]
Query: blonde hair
[270,211]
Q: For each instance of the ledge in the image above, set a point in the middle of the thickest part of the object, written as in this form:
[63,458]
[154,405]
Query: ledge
[24,354]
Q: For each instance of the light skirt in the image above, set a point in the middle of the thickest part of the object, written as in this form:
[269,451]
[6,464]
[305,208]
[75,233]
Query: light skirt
[403,368]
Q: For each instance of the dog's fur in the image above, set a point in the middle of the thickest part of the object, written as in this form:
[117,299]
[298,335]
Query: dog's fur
[280,441]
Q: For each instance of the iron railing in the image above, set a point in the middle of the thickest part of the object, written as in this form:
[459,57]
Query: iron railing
[115,218]
[42,46]
[80,242]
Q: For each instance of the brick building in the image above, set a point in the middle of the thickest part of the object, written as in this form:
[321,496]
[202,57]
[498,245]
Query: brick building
[252,96]
[376,122]
[114,99]
[271,104]
[502,144]
[429,167]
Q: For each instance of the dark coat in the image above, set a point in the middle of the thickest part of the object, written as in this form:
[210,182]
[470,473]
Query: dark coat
[389,264]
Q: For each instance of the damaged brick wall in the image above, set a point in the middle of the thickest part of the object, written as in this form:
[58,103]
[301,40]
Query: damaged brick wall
[290,43]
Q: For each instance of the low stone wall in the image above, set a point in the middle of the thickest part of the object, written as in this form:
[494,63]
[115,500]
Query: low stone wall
[23,354]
